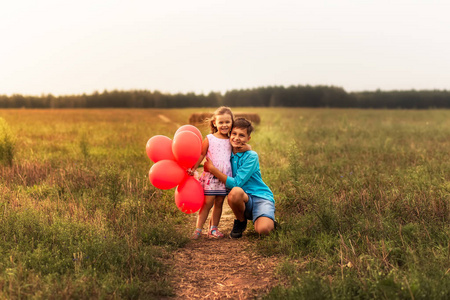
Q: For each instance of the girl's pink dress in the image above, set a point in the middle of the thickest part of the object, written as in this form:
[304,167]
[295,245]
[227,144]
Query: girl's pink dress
[219,152]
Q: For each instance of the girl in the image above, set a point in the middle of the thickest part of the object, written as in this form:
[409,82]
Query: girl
[216,146]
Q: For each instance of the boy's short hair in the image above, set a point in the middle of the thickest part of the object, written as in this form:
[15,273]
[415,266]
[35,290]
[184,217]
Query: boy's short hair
[243,123]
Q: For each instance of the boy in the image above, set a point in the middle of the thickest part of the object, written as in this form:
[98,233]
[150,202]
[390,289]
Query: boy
[249,198]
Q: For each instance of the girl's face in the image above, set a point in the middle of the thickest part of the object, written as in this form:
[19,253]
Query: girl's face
[223,123]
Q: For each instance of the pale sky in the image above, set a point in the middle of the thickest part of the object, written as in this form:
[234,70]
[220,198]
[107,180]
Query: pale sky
[74,47]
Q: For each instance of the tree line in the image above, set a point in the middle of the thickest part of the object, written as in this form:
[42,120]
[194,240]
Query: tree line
[271,96]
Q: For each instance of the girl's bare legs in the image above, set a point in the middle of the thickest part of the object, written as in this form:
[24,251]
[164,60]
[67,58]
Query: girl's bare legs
[204,211]
[217,211]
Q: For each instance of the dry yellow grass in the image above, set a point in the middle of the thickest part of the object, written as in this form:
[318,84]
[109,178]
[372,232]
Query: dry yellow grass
[199,118]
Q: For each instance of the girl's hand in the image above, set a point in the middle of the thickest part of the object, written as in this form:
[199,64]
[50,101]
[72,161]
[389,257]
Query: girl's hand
[243,148]
[190,172]
[246,147]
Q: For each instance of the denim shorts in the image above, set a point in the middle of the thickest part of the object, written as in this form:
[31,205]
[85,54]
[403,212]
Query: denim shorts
[259,207]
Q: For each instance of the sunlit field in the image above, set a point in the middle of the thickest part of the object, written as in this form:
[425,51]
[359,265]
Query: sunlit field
[362,197]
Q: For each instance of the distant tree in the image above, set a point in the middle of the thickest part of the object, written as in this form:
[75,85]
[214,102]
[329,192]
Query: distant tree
[271,96]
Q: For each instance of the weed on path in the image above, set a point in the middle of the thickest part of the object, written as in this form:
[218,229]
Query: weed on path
[222,269]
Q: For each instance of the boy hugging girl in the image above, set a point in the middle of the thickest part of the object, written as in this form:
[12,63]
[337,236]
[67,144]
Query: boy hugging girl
[232,169]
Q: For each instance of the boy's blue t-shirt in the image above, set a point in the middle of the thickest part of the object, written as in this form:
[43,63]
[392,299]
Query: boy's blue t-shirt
[247,175]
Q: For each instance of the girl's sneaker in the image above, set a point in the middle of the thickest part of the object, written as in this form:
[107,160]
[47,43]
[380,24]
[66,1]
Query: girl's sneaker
[215,233]
[197,234]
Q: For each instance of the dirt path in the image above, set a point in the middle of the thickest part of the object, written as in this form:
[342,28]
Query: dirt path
[222,269]
[167,120]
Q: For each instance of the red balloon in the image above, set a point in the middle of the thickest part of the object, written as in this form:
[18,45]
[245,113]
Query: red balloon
[190,128]
[166,174]
[186,148]
[189,196]
[159,147]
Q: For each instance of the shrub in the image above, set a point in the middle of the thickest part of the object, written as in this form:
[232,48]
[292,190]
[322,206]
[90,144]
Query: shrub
[7,143]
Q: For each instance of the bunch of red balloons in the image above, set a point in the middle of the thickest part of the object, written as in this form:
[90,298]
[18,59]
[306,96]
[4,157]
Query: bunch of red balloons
[172,158]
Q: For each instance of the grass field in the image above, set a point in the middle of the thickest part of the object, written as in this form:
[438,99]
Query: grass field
[363,197]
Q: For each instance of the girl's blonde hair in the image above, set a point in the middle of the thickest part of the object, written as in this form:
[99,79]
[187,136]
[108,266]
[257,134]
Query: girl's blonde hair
[223,110]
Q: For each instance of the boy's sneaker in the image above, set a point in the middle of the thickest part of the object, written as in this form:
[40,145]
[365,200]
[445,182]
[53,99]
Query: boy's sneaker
[238,228]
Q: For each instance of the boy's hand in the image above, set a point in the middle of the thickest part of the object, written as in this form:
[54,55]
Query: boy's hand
[207,165]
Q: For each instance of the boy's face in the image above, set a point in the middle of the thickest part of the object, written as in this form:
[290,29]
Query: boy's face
[239,137]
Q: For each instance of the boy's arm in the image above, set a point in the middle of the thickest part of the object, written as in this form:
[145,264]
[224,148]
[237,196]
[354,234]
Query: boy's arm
[209,167]
[245,171]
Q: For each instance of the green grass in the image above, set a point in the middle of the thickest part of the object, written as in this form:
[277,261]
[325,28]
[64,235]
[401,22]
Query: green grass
[78,217]
[362,196]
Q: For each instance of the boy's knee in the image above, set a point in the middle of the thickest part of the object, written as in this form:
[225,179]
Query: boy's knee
[264,230]
[236,194]
[264,226]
